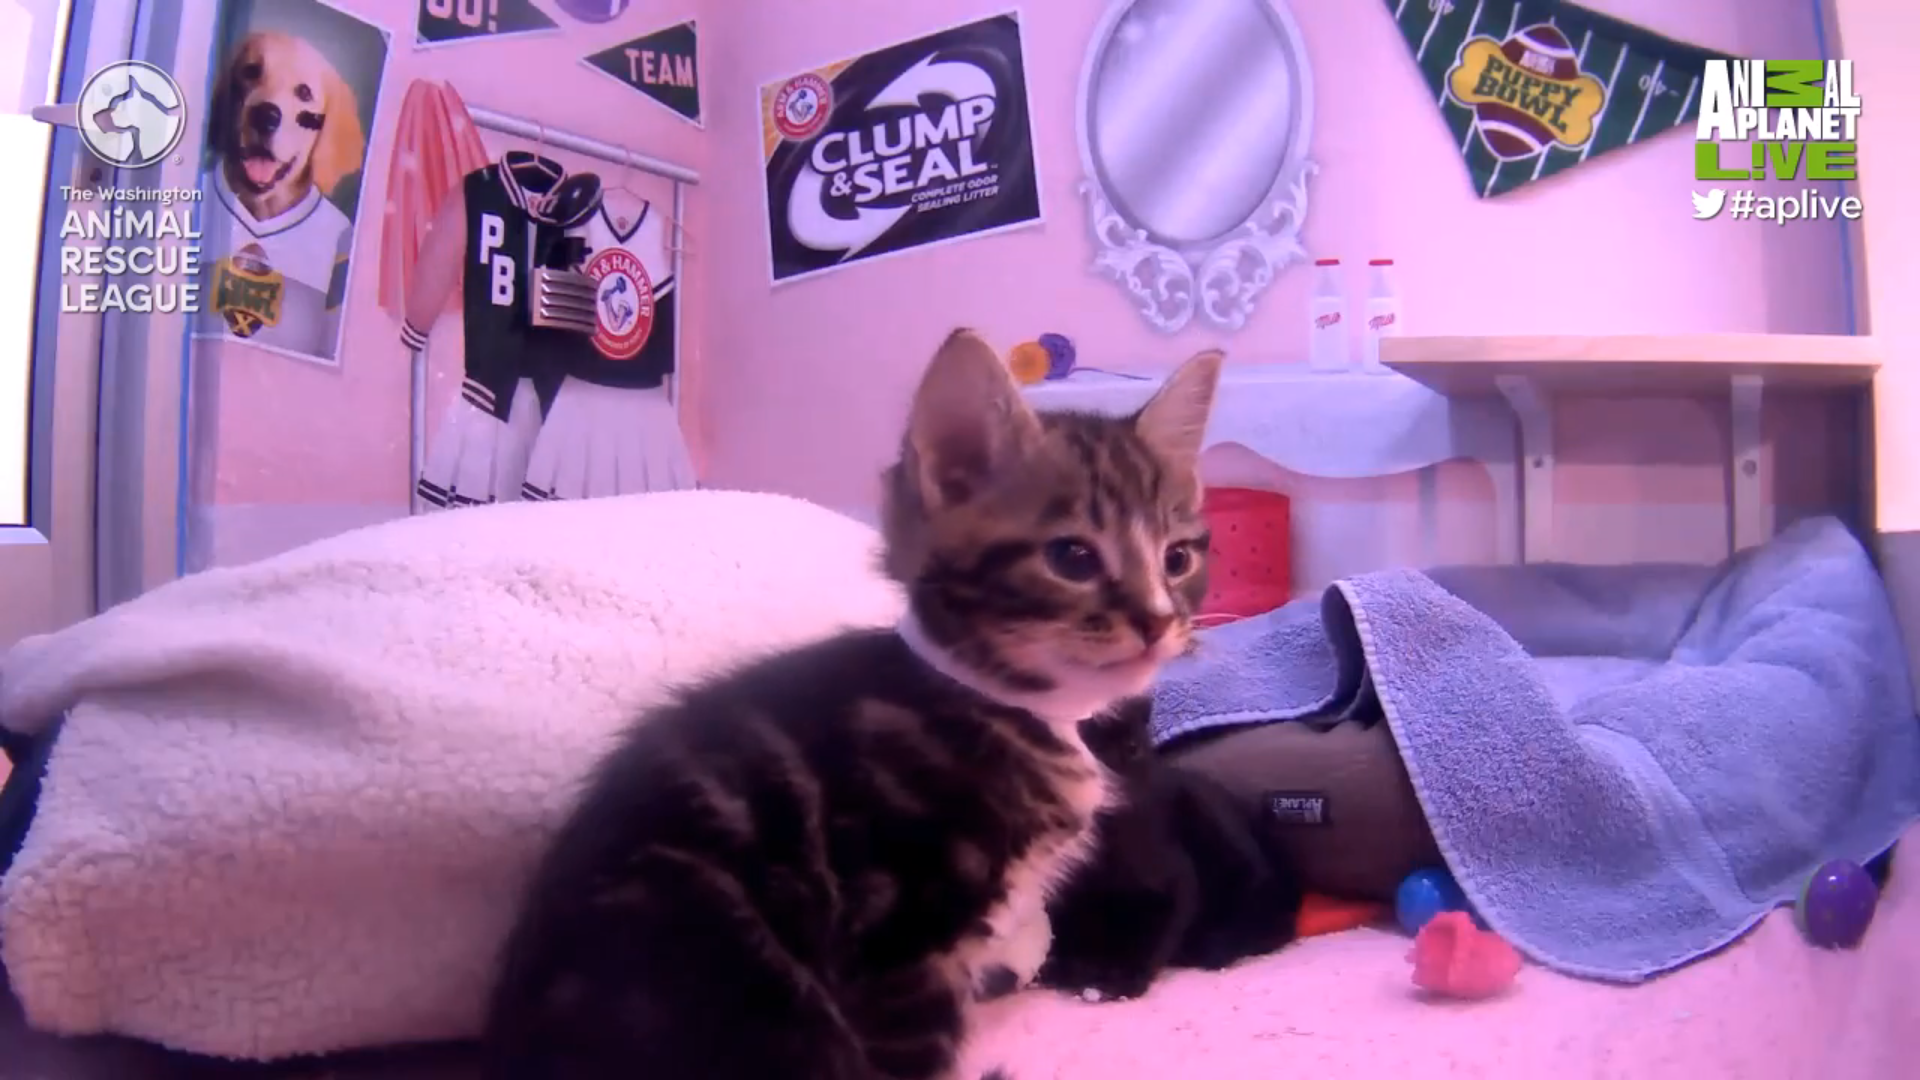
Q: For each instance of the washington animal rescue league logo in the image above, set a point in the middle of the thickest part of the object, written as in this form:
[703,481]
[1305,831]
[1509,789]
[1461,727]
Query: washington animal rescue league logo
[1801,119]
[130,115]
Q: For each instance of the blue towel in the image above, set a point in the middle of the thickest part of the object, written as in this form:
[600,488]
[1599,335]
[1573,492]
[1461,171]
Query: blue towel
[1625,767]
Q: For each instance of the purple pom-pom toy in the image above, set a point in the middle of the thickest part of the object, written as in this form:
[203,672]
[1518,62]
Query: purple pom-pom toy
[1060,355]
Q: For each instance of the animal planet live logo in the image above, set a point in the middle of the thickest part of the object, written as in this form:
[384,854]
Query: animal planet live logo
[1801,117]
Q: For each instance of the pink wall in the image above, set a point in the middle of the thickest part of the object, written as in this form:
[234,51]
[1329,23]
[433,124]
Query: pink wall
[800,389]
[789,368]
[1872,31]
[303,450]
[1875,32]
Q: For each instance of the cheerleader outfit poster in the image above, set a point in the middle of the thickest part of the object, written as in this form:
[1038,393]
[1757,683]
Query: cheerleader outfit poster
[613,429]
[540,413]
[491,236]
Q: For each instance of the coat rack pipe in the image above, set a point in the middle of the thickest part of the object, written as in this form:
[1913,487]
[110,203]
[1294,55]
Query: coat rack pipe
[679,289]
[580,144]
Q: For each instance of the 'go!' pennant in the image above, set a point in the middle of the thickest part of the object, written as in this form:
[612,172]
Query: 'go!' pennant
[442,22]
[663,65]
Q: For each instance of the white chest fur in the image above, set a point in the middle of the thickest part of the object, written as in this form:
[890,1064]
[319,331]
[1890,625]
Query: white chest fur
[1086,787]
[1020,931]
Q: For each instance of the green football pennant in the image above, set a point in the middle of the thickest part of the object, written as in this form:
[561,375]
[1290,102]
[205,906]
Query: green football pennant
[664,65]
[1534,87]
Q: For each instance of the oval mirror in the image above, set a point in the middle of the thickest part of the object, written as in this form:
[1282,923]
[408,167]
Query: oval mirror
[1194,119]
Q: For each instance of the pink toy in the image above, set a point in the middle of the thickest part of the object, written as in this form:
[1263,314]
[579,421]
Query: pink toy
[1454,958]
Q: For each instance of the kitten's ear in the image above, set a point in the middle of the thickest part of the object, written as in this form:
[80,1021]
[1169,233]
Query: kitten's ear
[1174,422]
[969,426]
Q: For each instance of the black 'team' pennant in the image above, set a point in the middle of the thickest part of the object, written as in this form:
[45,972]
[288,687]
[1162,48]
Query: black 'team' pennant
[663,65]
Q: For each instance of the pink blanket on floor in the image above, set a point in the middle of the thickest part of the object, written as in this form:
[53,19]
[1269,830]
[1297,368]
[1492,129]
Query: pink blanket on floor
[1771,1007]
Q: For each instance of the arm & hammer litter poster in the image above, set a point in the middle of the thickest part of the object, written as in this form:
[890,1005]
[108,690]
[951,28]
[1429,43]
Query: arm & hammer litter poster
[910,145]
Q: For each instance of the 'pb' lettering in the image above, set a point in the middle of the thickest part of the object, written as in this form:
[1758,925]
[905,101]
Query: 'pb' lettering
[500,267]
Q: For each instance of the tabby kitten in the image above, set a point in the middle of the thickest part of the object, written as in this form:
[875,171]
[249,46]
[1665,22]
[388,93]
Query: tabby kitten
[1183,875]
[802,869]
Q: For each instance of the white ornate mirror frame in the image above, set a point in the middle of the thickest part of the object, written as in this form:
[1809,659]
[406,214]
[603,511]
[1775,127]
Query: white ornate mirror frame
[1144,151]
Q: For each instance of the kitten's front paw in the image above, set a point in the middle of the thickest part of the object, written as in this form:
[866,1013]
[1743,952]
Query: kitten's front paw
[1095,983]
[996,981]
[1215,953]
[1013,959]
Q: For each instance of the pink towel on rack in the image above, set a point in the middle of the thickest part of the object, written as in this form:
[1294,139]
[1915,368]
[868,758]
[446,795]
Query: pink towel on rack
[436,146]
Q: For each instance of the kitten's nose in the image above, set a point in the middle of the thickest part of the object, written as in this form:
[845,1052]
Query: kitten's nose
[1152,627]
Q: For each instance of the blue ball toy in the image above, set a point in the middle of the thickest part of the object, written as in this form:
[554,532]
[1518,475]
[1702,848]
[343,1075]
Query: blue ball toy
[1424,894]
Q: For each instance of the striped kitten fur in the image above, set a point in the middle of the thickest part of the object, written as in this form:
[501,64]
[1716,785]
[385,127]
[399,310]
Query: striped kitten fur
[804,869]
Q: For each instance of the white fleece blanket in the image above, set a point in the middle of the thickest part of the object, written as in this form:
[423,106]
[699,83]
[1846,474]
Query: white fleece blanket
[295,801]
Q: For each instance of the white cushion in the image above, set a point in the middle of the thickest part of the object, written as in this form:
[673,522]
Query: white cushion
[295,801]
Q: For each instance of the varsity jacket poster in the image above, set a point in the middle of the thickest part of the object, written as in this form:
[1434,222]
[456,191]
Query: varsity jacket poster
[914,144]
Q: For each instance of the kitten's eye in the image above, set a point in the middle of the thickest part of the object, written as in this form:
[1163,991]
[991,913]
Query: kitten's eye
[1179,559]
[1072,559]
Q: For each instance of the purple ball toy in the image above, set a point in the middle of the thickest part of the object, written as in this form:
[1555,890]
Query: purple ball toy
[1837,905]
[594,11]
[1060,355]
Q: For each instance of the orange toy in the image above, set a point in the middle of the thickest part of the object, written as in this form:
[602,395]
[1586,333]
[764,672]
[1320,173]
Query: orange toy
[1322,914]
[1454,958]
[1029,363]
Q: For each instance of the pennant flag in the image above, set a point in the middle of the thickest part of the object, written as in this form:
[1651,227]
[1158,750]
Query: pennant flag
[663,65]
[1531,88]
[444,21]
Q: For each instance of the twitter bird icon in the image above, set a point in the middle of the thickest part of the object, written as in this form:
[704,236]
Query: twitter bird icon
[1708,205]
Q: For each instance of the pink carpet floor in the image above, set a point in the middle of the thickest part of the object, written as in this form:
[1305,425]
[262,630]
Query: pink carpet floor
[1770,1007]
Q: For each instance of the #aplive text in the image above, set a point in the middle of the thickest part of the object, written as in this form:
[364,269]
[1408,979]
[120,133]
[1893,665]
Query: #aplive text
[1801,118]
[146,233]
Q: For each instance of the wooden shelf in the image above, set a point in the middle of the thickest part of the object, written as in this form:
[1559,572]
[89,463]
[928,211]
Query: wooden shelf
[1653,363]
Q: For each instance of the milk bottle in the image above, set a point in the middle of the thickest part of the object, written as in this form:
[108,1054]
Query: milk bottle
[1383,313]
[1327,342]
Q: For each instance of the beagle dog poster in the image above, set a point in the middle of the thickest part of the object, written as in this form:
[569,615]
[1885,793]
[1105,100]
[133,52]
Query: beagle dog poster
[292,98]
